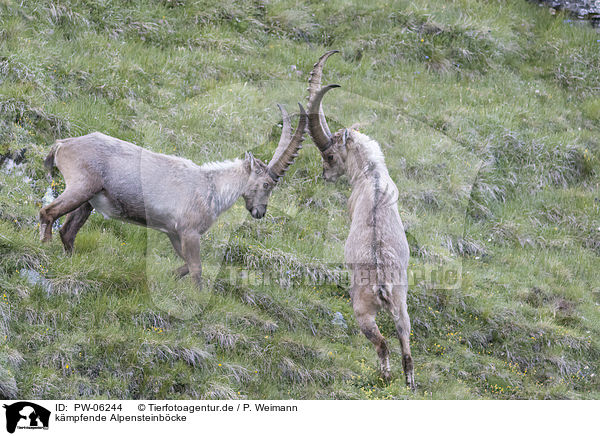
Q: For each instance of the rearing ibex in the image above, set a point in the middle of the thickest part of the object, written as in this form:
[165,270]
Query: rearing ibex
[376,250]
[167,193]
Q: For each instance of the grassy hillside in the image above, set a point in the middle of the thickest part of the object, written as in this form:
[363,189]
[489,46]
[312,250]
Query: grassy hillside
[487,113]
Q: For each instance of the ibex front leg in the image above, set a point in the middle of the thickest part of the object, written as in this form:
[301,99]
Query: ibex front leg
[190,247]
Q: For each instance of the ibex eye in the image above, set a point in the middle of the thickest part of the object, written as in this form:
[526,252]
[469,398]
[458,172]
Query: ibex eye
[265,185]
[330,157]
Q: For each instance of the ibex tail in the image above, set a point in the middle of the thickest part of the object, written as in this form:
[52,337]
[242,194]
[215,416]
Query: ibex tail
[49,161]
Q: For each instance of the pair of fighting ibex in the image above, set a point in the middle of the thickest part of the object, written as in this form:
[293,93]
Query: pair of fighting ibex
[182,199]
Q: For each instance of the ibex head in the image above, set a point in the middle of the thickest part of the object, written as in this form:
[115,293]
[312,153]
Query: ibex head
[332,147]
[263,177]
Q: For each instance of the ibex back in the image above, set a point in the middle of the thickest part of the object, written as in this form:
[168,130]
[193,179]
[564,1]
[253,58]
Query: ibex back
[376,250]
[166,193]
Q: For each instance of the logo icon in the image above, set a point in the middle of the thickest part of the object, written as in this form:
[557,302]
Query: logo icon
[24,414]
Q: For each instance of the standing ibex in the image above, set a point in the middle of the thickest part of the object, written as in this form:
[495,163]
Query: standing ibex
[166,193]
[376,250]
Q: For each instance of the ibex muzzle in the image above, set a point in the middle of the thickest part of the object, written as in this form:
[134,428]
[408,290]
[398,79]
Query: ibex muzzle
[166,193]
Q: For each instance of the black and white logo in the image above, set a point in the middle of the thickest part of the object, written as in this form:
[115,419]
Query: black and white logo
[26,415]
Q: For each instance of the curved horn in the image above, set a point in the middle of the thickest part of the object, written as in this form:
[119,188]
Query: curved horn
[321,130]
[320,136]
[286,131]
[314,81]
[288,147]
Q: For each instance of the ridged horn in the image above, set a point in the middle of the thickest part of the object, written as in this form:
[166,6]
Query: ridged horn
[288,147]
[319,132]
[286,131]
[314,81]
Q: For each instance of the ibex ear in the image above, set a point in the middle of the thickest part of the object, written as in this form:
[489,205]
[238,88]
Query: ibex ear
[345,137]
[249,161]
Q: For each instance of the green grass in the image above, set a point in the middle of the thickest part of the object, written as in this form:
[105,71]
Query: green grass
[487,113]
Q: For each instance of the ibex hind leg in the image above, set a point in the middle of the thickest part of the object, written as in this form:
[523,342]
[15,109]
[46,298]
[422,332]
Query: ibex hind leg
[365,312]
[75,220]
[399,312]
[66,202]
[182,270]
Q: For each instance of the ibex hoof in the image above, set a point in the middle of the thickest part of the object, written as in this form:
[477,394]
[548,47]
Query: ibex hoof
[181,271]
[45,236]
[387,377]
[411,385]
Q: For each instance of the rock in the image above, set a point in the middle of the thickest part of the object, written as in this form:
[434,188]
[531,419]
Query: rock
[583,9]
[48,197]
[34,278]
[12,160]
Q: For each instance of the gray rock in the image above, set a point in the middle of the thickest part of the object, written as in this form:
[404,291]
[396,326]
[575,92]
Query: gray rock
[338,319]
[48,197]
[34,278]
[583,9]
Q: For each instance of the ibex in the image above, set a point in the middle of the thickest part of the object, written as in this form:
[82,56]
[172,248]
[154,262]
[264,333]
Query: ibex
[167,193]
[376,250]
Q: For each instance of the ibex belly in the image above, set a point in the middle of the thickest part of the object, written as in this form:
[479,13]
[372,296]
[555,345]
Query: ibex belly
[110,208]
